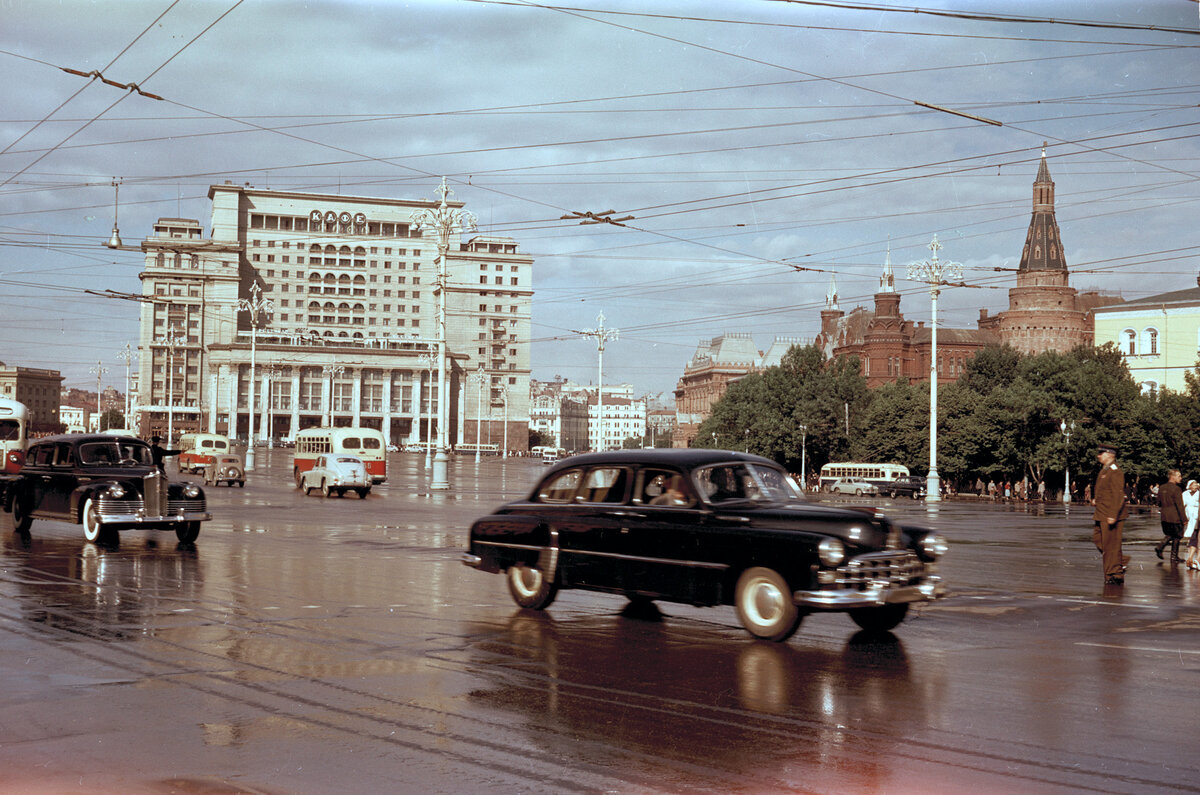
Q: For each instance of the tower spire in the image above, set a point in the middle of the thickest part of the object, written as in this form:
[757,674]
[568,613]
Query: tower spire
[831,297]
[887,282]
[1043,247]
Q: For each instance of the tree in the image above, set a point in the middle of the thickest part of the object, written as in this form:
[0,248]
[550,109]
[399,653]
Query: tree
[111,419]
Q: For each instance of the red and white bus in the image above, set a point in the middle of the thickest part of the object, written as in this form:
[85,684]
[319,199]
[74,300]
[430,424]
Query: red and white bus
[366,443]
[199,450]
[14,424]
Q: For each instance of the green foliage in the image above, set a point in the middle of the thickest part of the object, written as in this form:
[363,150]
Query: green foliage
[112,419]
[1000,420]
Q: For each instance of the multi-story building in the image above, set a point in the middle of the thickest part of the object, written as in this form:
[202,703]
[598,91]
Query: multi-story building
[1159,336]
[352,332]
[75,418]
[612,422]
[39,390]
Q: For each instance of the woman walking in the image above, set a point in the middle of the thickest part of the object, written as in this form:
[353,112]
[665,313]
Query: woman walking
[1191,510]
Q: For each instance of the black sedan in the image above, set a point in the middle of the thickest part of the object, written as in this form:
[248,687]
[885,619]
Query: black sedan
[106,483]
[705,527]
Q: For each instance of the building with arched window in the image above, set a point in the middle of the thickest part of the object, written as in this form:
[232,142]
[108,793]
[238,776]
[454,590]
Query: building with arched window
[1158,335]
[353,282]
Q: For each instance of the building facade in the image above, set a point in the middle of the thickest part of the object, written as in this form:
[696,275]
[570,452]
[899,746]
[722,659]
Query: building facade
[352,335]
[612,422]
[40,390]
[1159,336]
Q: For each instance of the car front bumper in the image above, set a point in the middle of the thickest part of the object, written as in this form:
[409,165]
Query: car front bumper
[875,594]
[141,518]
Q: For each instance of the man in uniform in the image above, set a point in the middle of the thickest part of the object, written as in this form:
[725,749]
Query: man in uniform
[1109,514]
[1171,513]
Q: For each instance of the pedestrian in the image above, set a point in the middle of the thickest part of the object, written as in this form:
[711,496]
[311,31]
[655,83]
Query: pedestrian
[1191,507]
[1171,514]
[158,453]
[1087,493]
[1042,490]
[992,489]
[979,487]
[1109,514]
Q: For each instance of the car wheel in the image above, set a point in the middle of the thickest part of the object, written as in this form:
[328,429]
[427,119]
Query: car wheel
[529,586]
[241,484]
[879,619]
[22,514]
[764,604]
[362,493]
[858,492]
[325,490]
[92,527]
[299,478]
[187,532]
[892,494]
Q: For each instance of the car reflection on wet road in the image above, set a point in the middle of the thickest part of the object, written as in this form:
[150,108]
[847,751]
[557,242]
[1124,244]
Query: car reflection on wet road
[311,645]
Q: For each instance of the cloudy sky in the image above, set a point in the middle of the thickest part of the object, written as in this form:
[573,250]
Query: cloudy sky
[760,146]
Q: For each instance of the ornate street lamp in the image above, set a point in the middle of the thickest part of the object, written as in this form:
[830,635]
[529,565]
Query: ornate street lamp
[334,371]
[602,335]
[99,370]
[430,359]
[255,305]
[445,221]
[480,376]
[1066,430]
[173,339]
[934,273]
[127,356]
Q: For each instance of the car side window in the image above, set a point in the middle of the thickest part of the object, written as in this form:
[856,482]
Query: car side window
[42,456]
[561,488]
[64,455]
[605,485]
[664,487]
[725,483]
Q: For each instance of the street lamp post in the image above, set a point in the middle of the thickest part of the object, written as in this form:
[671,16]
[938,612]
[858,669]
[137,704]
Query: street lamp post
[445,221]
[602,335]
[1066,429]
[504,434]
[127,357]
[171,340]
[479,377]
[273,373]
[803,449]
[99,370]
[934,273]
[334,371]
[255,305]
[430,359]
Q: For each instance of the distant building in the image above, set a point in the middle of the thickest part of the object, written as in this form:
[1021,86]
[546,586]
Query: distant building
[39,390]
[618,419]
[660,425]
[354,284]
[74,417]
[715,364]
[1159,336]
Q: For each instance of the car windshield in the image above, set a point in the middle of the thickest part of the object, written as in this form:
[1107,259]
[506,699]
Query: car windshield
[754,482]
[114,453]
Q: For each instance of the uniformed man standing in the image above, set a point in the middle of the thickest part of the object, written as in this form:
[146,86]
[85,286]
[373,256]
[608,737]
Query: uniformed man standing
[1109,514]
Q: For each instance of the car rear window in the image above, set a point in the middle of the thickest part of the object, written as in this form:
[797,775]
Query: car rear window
[561,487]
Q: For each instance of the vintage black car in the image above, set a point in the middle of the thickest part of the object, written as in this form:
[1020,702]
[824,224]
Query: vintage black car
[705,527]
[106,483]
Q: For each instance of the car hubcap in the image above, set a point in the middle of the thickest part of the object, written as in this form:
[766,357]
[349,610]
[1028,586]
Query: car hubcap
[767,602]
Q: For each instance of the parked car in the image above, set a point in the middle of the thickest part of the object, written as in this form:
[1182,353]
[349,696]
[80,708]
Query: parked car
[225,469]
[106,483]
[910,486]
[853,486]
[705,527]
[337,474]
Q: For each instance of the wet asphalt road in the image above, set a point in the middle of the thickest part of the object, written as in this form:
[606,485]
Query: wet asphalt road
[311,645]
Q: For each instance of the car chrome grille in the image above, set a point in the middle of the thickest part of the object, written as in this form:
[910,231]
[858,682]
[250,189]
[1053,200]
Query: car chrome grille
[897,568]
[106,506]
[185,506]
[110,507]
[154,493]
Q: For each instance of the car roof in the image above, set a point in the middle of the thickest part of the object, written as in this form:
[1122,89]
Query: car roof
[682,458]
[81,438]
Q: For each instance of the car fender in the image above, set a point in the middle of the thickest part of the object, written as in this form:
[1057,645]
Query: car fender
[501,540]
[81,494]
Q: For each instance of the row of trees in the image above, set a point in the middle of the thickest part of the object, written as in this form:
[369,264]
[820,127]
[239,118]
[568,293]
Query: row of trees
[1000,420]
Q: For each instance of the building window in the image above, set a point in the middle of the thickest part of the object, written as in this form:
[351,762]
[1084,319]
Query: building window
[1129,337]
[1150,341]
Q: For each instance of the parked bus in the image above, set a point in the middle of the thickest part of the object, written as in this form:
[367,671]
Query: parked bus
[14,424]
[470,448]
[881,475]
[366,443]
[199,449]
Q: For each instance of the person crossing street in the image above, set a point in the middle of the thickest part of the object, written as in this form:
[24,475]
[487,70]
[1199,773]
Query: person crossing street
[1109,514]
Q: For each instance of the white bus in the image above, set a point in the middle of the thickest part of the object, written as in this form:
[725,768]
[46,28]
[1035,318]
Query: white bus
[14,422]
[470,448]
[881,475]
[366,443]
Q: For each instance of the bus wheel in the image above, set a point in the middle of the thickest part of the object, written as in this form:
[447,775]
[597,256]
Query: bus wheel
[298,477]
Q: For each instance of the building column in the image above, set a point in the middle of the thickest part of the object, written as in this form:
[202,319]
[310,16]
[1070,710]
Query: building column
[326,399]
[387,406]
[266,407]
[295,426]
[214,381]
[418,389]
[462,414]
[233,372]
[356,397]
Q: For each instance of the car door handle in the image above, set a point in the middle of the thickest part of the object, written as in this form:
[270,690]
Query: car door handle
[627,514]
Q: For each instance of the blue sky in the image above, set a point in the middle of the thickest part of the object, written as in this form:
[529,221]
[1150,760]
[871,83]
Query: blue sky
[760,147]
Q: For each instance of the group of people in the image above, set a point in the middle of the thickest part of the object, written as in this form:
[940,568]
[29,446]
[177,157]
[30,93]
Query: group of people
[1178,512]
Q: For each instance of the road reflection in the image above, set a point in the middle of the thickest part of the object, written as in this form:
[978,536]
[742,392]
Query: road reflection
[99,592]
[658,689]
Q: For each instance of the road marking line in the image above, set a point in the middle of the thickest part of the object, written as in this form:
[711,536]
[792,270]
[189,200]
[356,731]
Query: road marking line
[1138,648]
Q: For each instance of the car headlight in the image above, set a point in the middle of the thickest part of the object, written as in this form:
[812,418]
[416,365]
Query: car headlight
[933,546]
[116,491]
[831,552]
[191,490]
